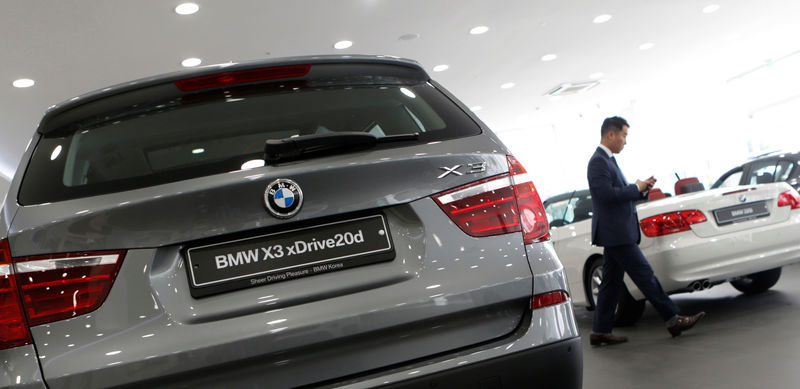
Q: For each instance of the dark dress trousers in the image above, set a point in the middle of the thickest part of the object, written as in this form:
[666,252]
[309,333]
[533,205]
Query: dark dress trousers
[615,227]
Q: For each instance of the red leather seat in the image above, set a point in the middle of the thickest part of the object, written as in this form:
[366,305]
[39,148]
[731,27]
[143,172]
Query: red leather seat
[655,194]
[686,185]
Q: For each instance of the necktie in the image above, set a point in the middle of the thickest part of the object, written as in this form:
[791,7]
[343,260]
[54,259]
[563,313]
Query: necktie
[621,176]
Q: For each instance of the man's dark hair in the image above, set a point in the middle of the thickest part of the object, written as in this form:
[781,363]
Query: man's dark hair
[613,123]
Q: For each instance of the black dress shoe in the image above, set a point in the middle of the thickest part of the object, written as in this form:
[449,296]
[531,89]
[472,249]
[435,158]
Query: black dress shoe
[684,323]
[609,339]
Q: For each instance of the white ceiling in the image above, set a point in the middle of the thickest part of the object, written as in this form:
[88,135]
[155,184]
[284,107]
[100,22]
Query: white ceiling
[681,87]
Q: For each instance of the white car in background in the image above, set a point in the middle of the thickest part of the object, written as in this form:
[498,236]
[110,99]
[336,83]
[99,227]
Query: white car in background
[693,241]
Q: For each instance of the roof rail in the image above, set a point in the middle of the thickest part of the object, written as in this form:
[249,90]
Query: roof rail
[773,152]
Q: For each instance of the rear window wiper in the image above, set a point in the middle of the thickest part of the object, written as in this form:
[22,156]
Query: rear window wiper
[288,149]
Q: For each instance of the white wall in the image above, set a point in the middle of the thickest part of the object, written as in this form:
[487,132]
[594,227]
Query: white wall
[702,131]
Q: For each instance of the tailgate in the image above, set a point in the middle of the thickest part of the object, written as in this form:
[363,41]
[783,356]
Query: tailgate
[424,289]
[305,330]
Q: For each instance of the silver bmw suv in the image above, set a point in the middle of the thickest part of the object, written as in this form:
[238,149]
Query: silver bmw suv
[303,222]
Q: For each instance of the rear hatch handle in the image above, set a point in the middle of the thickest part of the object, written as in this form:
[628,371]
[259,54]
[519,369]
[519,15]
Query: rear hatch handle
[288,149]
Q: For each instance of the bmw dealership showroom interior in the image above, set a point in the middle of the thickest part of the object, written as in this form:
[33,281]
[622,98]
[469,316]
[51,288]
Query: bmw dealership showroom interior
[400,194]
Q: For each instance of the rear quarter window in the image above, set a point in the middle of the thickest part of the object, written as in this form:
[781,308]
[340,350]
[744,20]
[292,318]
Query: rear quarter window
[729,180]
[582,209]
[570,210]
[557,213]
[769,171]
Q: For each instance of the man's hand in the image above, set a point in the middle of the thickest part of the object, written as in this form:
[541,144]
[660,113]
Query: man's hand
[646,184]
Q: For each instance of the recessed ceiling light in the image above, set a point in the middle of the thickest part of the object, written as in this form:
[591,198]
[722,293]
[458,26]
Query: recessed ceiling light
[440,68]
[549,57]
[711,8]
[23,83]
[341,45]
[596,75]
[199,150]
[478,30]
[190,62]
[602,19]
[507,85]
[408,37]
[186,8]
[646,46]
[475,108]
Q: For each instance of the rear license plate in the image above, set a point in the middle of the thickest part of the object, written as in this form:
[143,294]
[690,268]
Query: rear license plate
[287,255]
[741,212]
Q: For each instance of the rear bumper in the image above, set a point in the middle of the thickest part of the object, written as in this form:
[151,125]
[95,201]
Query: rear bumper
[680,259]
[546,348]
[554,365]
[558,365]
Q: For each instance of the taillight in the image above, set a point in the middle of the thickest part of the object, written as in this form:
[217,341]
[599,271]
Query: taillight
[535,227]
[670,223]
[548,299]
[693,216]
[60,286]
[789,199]
[498,205]
[242,77]
[13,328]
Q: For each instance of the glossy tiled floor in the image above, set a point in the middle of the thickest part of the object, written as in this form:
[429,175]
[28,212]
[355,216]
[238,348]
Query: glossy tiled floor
[743,342]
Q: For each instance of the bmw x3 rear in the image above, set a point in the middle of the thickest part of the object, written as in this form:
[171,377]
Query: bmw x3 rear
[303,222]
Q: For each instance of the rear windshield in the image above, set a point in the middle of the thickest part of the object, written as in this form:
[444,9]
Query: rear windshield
[219,132]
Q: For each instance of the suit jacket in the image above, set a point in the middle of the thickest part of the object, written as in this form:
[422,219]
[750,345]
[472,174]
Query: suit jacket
[614,218]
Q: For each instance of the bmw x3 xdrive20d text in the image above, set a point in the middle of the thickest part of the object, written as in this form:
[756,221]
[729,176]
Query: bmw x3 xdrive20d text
[303,222]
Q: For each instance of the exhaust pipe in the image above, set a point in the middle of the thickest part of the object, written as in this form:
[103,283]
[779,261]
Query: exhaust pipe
[700,285]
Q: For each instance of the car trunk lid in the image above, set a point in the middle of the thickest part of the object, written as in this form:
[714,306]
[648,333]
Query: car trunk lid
[726,210]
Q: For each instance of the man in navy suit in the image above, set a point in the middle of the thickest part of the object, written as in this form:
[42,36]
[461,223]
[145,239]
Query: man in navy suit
[615,227]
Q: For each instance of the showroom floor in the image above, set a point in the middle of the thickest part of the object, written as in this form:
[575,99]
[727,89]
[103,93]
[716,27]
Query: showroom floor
[743,342]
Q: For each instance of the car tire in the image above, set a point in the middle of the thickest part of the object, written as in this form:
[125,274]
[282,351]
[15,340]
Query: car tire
[629,310]
[757,282]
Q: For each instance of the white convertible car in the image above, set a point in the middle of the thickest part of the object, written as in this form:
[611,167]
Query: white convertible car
[742,235]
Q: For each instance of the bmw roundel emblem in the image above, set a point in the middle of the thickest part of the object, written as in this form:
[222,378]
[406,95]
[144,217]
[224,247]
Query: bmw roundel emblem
[283,198]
